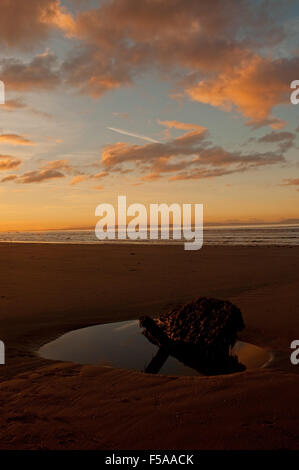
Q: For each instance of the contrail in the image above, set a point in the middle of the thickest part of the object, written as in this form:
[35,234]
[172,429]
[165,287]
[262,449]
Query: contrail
[131,134]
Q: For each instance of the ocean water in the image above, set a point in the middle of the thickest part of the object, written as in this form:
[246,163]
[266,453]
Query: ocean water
[253,235]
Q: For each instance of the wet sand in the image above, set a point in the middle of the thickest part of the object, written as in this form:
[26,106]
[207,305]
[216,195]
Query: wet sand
[46,290]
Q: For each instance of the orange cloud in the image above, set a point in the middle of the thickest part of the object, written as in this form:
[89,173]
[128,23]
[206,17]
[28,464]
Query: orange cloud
[15,139]
[9,178]
[84,177]
[291,182]
[101,174]
[217,50]
[191,156]
[79,179]
[57,16]
[122,152]
[124,37]
[34,176]
[8,162]
[26,24]
[182,125]
[48,170]
[38,176]
[58,165]
[151,177]
[204,173]
[253,88]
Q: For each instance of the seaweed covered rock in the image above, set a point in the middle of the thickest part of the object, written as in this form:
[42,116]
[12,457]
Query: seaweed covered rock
[204,329]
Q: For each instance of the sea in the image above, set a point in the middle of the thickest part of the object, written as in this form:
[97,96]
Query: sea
[242,235]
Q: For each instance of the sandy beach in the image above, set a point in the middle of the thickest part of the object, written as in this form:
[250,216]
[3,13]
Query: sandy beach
[46,290]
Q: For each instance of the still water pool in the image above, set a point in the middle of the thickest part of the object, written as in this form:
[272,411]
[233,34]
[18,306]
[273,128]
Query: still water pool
[122,345]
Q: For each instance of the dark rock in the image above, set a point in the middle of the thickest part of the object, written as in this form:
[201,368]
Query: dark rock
[200,334]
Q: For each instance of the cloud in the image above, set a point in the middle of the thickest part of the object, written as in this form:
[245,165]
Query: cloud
[216,50]
[284,139]
[253,87]
[191,156]
[151,177]
[24,25]
[101,174]
[218,55]
[122,152]
[182,125]
[195,131]
[15,139]
[8,178]
[7,162]
[290,182]
[18,104]
[94,73]
[276,137]
[84,177]
[79,179]
[41,72]
[272,122]
[50,170]
[38,176]
[58,165]
[229,163]
[58,17]
[203,173]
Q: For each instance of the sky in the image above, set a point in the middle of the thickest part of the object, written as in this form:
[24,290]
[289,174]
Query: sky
[160,100]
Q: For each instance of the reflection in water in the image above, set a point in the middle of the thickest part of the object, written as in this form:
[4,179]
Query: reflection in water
[122,345]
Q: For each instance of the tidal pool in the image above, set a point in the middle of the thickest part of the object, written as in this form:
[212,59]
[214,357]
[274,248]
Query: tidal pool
[122,345]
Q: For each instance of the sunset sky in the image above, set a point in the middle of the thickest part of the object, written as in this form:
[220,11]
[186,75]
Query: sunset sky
[159,100]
